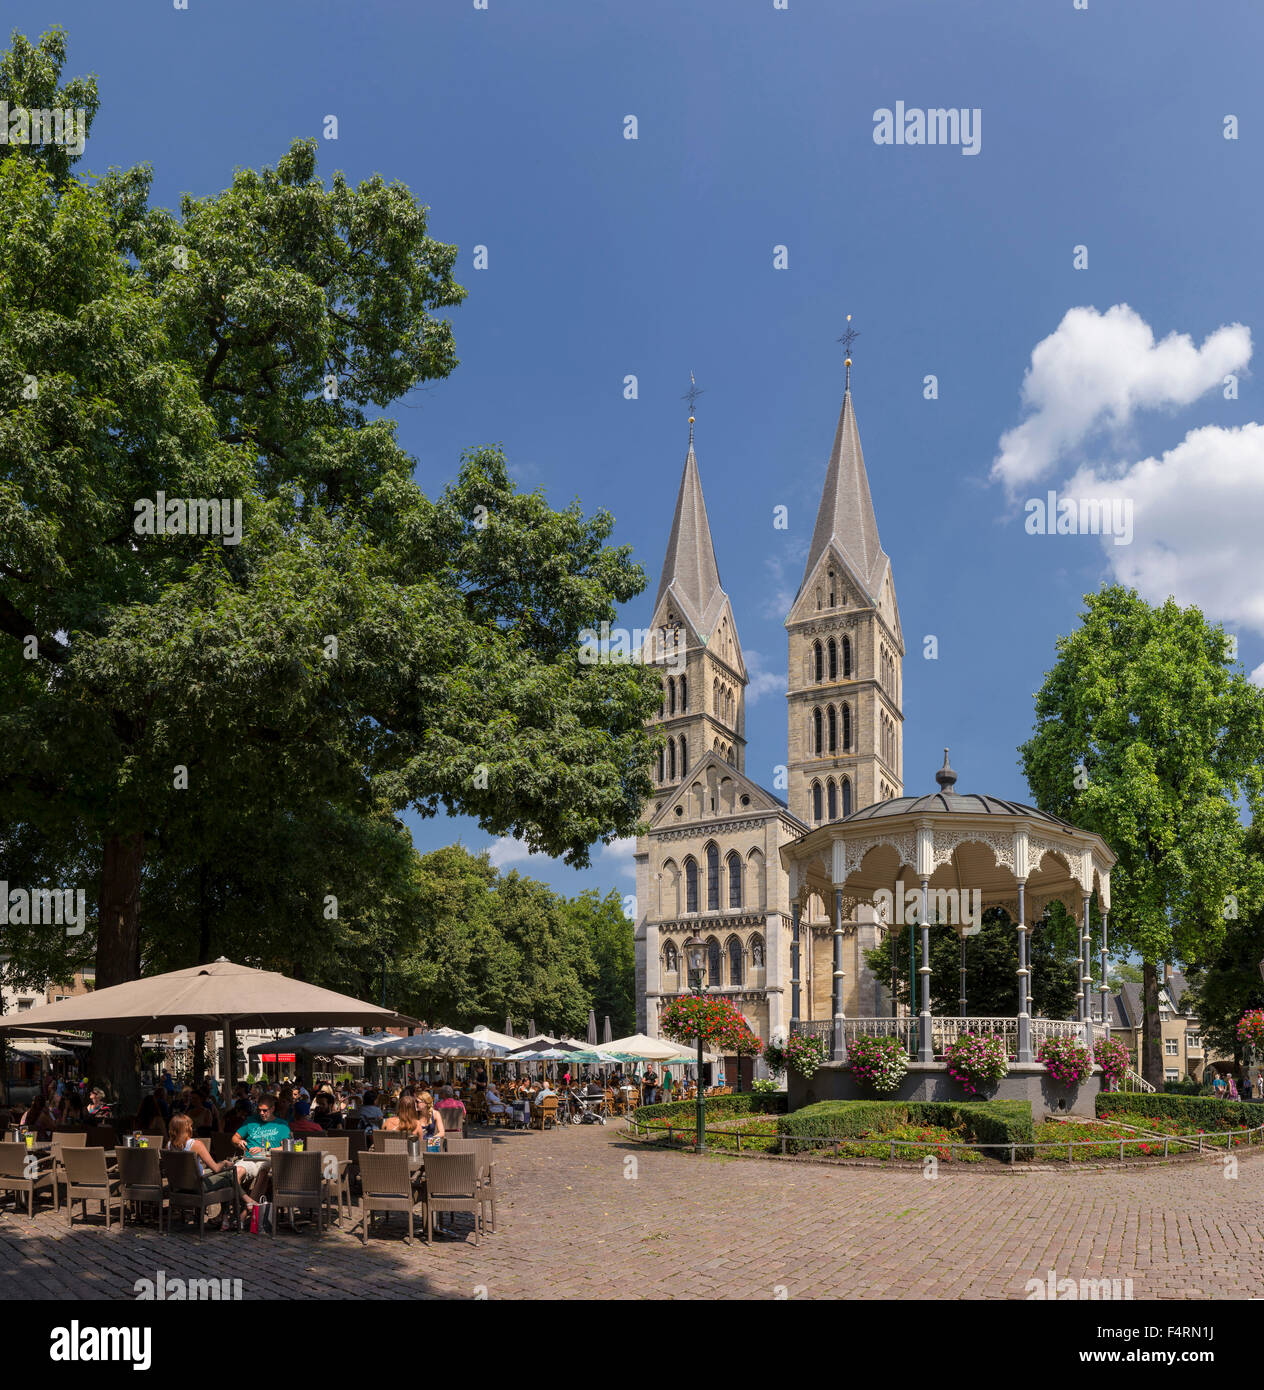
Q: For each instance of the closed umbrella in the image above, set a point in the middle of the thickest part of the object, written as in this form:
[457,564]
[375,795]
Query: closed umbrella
[531,1028]
[606,1033]
[509,1026]
[592,1028]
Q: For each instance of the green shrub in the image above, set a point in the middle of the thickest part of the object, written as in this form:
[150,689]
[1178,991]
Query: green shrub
[1181,1088]
[982,1122]
[1201,1112]
[715,1107]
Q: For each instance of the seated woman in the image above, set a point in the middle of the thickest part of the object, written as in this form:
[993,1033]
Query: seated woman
[452,1110]
[98,1107]
[430,1122]
[405,1119]
[496,1108]
[216,1177]
[149,1118]
[39,1118]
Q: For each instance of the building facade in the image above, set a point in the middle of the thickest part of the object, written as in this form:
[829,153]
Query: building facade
[710,859]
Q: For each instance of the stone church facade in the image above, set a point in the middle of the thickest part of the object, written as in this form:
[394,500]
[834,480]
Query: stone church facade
[710,860]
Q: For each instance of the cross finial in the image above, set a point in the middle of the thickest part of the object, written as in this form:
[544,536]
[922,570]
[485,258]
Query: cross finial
[847,339]
[691,396]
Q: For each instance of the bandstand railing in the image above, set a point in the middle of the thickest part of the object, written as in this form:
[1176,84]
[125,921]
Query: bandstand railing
[947,1030]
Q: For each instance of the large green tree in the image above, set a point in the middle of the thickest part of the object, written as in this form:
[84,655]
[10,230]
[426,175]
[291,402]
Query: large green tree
[1149,734]
[364,646]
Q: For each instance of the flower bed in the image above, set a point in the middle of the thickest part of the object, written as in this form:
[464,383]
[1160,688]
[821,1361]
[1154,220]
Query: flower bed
[750,1133]
[1082,1133]
[913,1143]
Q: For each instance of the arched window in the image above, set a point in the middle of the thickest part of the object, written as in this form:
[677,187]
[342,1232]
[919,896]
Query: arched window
[833,730]
[713,879]
[833,660]
[846,728]
[831,796]
[671,760]
[817,746]
[691,885]
[684,756]
[684,695]
[660,764]
[816,801]
[735,880]
[818,666]
[671,696]
[846,657]
[818,600]
[735,961]
[846,797]
[713,962]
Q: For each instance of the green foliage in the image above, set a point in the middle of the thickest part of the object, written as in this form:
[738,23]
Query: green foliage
[991,966]
[1200,1112]
[1168,736]
[982,1122]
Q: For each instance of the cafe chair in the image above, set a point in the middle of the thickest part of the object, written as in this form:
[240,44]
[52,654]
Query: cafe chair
[17,1176]
[184,1188]
[88,1180]
[389,1142]
[102,1137]
[336,1175]
[65,1139]
[545,1113]
[452,1186]
[297,1183]
[486,1170]
[387,1185]
[140,1180]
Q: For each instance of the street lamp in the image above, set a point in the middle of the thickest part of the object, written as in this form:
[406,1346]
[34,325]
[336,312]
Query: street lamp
[696,955]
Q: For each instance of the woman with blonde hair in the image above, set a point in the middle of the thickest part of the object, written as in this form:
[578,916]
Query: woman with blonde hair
[404,1120]
[216,1177]
[429,1121]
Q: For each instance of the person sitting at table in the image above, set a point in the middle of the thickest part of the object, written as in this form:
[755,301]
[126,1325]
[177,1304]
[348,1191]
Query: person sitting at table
[430,1122]
[324,1114]
[301,1122]
[495,1106]
[216,1177]
[405,1119]
[150,1118]
[39,1118]
[371,1111]
[255,1138]
[72,1109]
[452,1110]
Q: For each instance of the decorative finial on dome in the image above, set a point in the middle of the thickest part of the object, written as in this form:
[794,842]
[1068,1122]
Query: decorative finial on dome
[946,777]
[691,396]
[849,337]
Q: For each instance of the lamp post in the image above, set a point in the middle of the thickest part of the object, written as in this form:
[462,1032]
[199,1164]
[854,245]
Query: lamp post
[696,955]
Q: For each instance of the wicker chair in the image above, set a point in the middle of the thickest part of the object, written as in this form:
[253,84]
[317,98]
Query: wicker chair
[476,1109]
[102,1137]
[298,1181]
[64,1139]
[453,1117]
[140,1180]
[222,1147]
[336,1173]
[184,1188]
[452,1186]
[387,1186]
[544,1113]
[22,1171]
[482,1151]
[88,1180]
[389,1142]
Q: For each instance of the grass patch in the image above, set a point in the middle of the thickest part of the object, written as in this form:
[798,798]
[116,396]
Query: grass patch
[1002,1122]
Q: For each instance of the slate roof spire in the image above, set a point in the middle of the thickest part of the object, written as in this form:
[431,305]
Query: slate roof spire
[846,514]
[690,573]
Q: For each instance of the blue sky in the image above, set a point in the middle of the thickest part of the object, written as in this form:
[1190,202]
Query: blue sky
[655,257]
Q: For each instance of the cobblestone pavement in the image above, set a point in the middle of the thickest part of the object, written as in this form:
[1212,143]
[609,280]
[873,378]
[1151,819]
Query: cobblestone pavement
[587,1213]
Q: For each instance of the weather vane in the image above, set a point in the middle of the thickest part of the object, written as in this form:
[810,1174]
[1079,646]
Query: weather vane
[691,396]
[847,339]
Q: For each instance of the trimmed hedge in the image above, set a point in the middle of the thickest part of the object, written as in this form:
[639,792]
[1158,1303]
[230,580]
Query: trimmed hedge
[984,1122]
[716,1107]
[1202,1112]
[1182,1088]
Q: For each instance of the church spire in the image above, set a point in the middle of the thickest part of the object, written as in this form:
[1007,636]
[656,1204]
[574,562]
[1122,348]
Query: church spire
[846,517]
[689,569]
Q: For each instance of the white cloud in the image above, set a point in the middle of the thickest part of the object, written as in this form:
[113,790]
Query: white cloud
[1196,524]
[785,568]
[506,852]
[1095,371]
[1257,676]
[618,856]
[759,681]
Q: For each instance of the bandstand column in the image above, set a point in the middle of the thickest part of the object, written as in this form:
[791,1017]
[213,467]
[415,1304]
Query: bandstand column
[961,998]
[925,1047]
[1086,976]
[1104,988]
[839,1049]
[1024,1013]
[795,999]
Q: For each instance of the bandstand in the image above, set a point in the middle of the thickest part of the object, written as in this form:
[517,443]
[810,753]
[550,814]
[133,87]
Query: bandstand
[921,859]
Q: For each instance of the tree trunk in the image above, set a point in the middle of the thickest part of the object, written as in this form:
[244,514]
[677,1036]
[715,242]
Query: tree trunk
[116,1059]
[1151,1032]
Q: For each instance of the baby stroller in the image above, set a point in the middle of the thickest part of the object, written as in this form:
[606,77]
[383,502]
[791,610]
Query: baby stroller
[591,1109]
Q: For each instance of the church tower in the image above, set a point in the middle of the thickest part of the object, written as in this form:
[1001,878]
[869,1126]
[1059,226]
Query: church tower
[846,651]
[704,685]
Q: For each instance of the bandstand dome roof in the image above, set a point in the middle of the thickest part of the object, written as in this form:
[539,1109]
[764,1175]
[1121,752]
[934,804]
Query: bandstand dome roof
[954,803]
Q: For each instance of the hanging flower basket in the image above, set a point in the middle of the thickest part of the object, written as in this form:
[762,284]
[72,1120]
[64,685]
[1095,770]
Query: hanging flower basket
[1251,1029]
[1067,1060]
[1114,1059]
[976,1060]
[720,1026]
[880,1063]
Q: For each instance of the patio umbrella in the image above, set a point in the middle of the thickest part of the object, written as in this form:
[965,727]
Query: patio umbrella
[606,1033]
[531,1029]
[547,1054]
[38,1047]
[639,1048]
[447,1046]
[325,1042]
[592,1028]
[542,1043]
[482,1033]
[509,1026]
